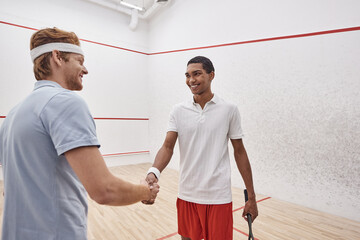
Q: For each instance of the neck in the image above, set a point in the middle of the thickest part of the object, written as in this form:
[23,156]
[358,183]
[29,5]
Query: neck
[202,99]
[58,79]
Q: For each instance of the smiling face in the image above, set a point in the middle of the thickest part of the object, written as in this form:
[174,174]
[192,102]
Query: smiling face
[74,71]
[198,80]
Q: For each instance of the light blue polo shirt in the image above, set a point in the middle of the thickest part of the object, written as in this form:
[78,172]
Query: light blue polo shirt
[44,199]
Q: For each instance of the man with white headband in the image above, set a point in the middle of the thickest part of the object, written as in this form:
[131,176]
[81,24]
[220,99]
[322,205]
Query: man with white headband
[49,151]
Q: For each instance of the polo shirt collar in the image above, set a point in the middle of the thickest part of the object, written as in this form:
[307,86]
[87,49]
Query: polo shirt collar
[46,83]
[215,100]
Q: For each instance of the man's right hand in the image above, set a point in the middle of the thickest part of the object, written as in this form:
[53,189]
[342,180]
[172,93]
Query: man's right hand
[151,178]
[154,188]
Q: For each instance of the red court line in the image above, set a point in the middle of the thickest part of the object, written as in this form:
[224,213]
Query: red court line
[256,202]
[264,40]
[173,234]
[170,235]
[214,46]
[124,153]
[20,26]
[121,118]
[84,40]
[243,233]
[112,46]
[110,118]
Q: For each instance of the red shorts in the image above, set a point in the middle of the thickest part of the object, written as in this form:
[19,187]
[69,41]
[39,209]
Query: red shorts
[202,221]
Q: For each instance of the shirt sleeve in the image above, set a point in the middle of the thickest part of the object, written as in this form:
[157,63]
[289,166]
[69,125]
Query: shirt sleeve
[235,130]
[68,121]
[172,122]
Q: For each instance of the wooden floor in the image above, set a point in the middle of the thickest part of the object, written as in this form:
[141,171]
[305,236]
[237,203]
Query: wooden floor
[277,219]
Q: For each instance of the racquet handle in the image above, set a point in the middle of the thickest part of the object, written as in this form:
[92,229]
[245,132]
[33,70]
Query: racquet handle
[248,215]
[246,199]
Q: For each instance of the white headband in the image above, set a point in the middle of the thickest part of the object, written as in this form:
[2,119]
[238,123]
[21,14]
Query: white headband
[49,47]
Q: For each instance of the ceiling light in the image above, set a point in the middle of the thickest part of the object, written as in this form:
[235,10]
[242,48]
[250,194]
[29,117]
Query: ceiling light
[131,5]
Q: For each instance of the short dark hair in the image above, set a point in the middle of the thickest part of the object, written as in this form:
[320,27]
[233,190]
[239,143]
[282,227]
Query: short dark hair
[206,63]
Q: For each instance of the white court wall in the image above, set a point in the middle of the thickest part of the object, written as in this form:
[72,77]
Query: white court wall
[298,97]
[116,86]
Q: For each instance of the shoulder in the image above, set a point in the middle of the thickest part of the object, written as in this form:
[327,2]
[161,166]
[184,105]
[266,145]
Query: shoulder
[230,106]
[65,103]
[182,106]
[68,98]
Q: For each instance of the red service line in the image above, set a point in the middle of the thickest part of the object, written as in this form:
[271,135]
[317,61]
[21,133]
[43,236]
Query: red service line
[213,46]
[97,118]
[124,153]
[100,118]
[264,40]
[84,40]
[16,25]
[112,46]
[173,234]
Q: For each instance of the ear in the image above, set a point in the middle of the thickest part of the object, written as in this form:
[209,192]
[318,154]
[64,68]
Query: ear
[212,75]
[56,57]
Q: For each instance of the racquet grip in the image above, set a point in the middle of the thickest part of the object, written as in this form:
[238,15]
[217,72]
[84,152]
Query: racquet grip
[248,215]
[246,199]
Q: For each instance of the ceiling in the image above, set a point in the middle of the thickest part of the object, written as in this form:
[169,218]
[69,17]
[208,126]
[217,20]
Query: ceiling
[148,8]
[145,4]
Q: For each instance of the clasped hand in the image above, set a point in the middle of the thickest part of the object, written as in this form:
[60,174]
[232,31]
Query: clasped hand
[151,181]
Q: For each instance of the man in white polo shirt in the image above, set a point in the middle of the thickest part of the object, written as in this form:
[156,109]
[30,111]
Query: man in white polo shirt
[204,126]
[49,151]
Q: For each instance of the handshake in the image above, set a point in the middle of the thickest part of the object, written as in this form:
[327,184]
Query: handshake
[151,182]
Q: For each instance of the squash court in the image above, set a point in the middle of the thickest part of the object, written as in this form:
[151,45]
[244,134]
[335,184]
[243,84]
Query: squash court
[290,67]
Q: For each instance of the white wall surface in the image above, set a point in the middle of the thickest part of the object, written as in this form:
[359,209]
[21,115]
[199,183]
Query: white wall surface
[116,86]
[299,98]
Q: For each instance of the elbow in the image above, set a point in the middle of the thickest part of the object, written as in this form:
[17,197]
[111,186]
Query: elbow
[103,192]
[100,198]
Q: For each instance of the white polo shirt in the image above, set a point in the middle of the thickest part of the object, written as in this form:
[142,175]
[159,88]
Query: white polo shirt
[205,173]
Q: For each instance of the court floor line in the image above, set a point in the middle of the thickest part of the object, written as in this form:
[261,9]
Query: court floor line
[256,202]
[105,118]
[175,233]
[167,236]
[243,233]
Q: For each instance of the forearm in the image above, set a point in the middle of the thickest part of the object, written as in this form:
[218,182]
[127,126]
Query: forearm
[120,192]
[243,164]
[163,158]
[244,167]
[101,185]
